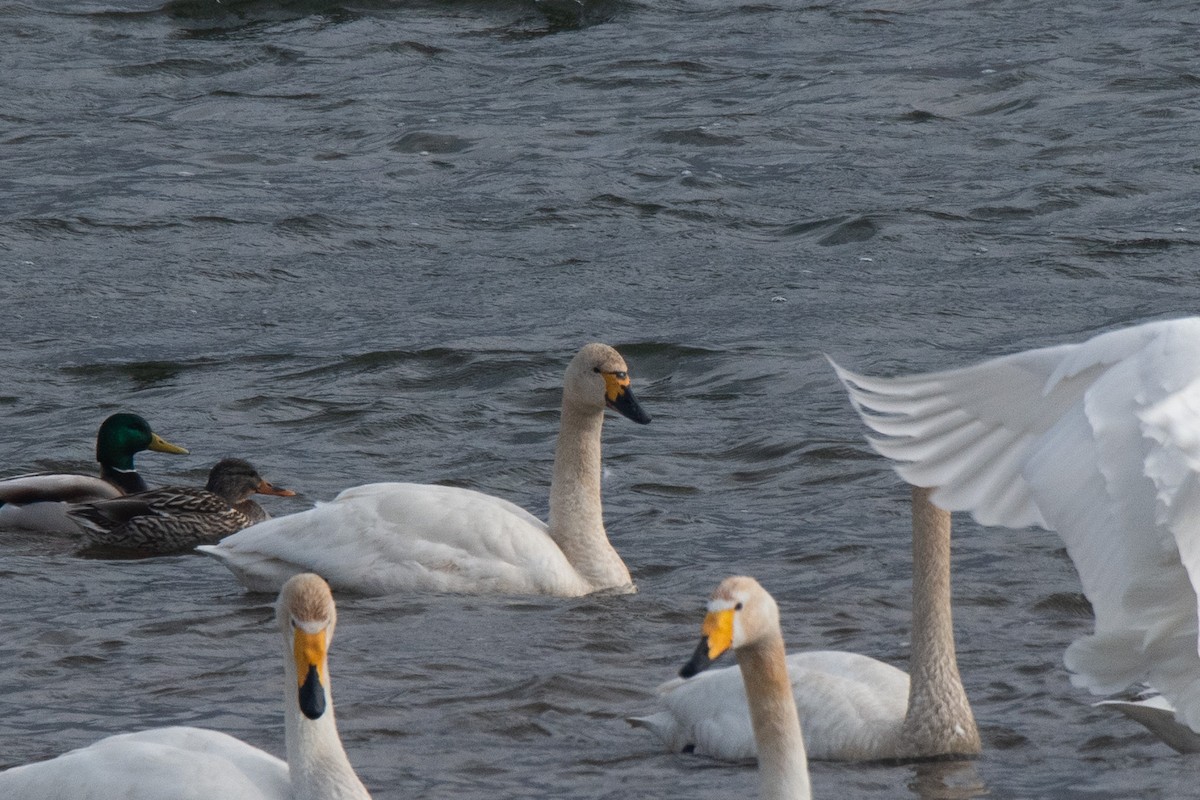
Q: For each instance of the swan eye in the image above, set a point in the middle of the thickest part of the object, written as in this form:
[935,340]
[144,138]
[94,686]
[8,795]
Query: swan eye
[596,370]
[738,607]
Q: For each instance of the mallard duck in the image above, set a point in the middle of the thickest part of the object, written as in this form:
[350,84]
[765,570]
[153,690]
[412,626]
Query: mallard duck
[196,762]
[175,519]
[743,617]
[399,537]
[854,708]
[1099,441]
[39,501]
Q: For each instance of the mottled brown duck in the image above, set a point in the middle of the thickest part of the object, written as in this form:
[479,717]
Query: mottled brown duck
[175,519]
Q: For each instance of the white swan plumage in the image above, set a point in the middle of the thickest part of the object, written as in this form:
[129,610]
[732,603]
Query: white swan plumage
[1099,441]
[184,762]
[853,707]
[743,617]
[391,537]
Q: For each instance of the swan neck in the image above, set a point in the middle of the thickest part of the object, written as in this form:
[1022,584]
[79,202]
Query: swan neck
[317,761]
[576,513]
[782,762]
[939,719]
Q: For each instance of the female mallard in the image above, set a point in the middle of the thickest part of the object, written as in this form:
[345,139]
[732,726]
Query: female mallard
[39,501]
[175,519]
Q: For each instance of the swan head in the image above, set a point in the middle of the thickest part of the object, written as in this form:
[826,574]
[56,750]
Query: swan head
[598,378]
[307,615]
[122,435]
[234,480]
[741,613]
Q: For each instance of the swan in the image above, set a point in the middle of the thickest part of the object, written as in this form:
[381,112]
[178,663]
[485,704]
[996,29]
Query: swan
[1099,441]
[183,762]
[39,501]
[854,708]
[391,537]
[743,617]
[175,519]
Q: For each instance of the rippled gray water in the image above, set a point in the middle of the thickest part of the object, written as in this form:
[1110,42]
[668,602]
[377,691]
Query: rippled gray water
[359,241]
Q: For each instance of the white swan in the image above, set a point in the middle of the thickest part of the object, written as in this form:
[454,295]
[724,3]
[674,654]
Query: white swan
[193,762]
[392,537]
[853,707]
[743,617]
[1099,441]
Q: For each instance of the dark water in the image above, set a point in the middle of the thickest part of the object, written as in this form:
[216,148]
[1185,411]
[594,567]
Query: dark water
[360,241]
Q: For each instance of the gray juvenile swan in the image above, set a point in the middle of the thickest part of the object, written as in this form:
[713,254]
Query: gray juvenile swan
[854,708]
[396,537]
[165,763]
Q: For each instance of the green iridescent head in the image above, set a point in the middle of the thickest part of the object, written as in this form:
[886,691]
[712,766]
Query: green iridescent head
[123,435]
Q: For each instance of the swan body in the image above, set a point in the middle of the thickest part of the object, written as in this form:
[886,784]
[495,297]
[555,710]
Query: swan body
[175,519]
[383,538]
[39,501]
[160,758]
[182,763]
[1099,441]
[744,618]
[853,707]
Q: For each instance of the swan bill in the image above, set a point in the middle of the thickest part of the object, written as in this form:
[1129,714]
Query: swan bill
[619,397]
[310,650]
[312,695]
[161,445]
[717,638]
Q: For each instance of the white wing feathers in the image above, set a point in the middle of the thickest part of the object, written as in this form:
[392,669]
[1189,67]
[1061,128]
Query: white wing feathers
[1099,441]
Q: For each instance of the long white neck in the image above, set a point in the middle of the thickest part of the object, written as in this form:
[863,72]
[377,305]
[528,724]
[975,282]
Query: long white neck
[939,719]
[576,515]
[782,761]
[317,761]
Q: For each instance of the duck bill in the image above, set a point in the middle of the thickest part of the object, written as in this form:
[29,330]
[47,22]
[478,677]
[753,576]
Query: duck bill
[266,488]
[619,397]
[161,445]
[310,671]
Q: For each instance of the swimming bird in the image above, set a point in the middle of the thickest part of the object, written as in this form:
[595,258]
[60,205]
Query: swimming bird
[853,707]
[39,501]
[180,762]
[743,617]
[1099,441]
[391,537]
[175,519]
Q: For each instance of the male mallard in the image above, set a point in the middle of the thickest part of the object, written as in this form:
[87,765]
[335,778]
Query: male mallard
[38,501]
[175,519]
